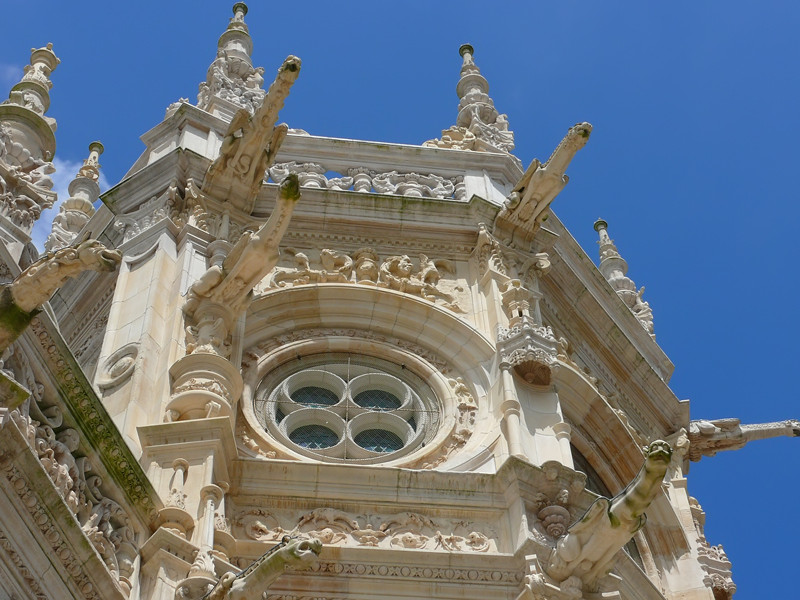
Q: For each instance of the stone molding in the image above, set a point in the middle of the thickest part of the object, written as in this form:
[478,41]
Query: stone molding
[74,566]
[441,574]
[369,180]
[31,579]
[95,423]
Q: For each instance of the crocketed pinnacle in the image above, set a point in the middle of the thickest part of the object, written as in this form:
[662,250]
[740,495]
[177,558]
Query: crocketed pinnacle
[478,126]
[76,210]
[231,81]
[236,40]
[614,269]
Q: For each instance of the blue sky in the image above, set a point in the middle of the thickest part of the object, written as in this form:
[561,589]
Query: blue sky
[692,161]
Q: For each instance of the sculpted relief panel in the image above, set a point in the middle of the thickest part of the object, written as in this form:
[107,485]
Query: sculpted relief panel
[330,526]
[364,266]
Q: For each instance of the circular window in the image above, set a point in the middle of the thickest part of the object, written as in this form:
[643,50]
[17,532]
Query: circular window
[364,410]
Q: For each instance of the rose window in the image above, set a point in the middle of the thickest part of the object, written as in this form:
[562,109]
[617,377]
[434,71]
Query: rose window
[340,411]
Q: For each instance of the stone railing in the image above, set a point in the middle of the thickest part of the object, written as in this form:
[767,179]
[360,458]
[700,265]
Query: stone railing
[366,180]
[395,169]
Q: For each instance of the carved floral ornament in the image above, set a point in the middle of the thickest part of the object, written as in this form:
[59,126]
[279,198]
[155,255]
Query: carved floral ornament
[446,433]
[407,530]
[57,445]
[366,180]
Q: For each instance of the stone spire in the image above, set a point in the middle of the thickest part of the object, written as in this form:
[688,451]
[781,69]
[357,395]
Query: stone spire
[76,210]
[478,126]
[231,82]
[27,145]
[613,267]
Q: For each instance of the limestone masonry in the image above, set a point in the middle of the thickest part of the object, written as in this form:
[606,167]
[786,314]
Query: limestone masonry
[281,366]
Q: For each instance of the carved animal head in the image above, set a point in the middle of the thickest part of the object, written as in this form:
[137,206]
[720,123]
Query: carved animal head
[290,68]
[97,257]
[659,451]
[290,188]
[302,552]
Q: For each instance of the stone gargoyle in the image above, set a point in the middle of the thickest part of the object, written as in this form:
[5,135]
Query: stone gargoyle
[291,554]
[21,299]
[250,145]
[588,548]
[223,292]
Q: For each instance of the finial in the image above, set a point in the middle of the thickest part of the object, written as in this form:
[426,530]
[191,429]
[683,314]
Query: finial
[27,145]
[231,82]
[614,269]
[478,126]
[91,166]
[75,211]
[239,11]
[33,90]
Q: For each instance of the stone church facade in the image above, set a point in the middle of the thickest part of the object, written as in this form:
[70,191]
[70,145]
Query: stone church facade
[276,365]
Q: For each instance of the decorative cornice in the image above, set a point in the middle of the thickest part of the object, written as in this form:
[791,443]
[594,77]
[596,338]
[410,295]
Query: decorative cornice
[94,421]
[437,574]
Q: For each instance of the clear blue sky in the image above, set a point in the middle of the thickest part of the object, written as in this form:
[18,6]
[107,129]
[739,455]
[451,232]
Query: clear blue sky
[692,161]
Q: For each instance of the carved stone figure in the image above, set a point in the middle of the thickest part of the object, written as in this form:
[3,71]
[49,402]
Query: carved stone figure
[531,197]
[251,583]
[20,299]
[250,145]
[398,273]
[587,550]
[706,438]
[224,291]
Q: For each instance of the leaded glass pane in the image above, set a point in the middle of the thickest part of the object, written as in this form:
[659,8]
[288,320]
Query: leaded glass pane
[378,440]
[377,400]
[314,437]
[314,396]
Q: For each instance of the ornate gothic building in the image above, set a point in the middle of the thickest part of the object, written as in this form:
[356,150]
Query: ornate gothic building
[275,365]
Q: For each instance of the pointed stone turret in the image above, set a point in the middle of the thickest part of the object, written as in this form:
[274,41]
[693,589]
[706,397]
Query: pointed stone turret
[479,126]
[613,267]
[231,82]
[27,145]
[76,210]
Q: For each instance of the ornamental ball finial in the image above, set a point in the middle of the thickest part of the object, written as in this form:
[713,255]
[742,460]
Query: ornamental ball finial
[240,7]
[466,48]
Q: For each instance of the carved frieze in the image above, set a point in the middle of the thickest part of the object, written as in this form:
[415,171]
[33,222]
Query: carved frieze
[364,267]
[407,530]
